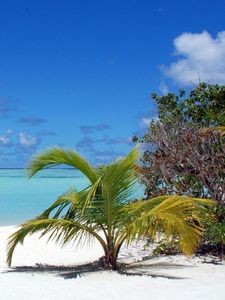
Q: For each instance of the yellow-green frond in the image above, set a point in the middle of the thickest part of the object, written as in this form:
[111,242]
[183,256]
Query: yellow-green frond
[57,156]
[172,216]
[220,129]
[60,230]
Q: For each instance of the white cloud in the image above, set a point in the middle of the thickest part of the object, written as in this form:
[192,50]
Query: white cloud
[145,122]
[5,139]
[202,57]
[26,140]
[163,88]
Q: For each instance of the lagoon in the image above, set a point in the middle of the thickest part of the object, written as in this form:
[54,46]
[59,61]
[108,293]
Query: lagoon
[22,198]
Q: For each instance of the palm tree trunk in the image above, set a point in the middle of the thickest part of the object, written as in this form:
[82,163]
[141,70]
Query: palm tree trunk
[109,260]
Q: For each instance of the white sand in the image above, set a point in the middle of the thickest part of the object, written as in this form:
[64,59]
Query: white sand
[195,277]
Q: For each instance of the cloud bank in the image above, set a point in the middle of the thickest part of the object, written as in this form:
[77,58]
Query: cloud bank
[200,58]
[5,139]
[27,140]
[34,121]
[86,129]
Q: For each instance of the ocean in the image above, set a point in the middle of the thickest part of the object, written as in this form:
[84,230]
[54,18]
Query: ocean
[22,199]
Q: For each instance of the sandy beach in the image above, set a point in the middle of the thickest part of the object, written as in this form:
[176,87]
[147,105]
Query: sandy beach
[41,271]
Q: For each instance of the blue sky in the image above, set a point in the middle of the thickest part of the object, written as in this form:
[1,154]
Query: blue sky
[79,73]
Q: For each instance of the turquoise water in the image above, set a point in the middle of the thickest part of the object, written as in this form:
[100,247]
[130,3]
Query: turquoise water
[22,199]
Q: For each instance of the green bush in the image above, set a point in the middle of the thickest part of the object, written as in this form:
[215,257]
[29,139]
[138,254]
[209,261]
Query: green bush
[215,234]
[166,249]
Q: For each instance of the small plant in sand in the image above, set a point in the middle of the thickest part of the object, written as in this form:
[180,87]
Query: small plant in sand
[105,210]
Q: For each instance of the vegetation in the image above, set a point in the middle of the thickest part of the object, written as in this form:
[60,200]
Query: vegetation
[185,149]
[185,160]
[104,210]
[204,106]
[214,235]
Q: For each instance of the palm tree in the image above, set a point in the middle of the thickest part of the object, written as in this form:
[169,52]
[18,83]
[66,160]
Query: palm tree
[104,210]
[220,129]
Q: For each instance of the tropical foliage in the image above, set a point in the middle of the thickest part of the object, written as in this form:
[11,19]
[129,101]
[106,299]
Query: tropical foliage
[204,108]
[204,105]
[105,210]
[186,159]
[185,148]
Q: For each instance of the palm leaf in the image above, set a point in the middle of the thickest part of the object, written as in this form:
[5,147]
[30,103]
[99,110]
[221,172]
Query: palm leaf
[173,216]
[117,185]
[57,156]
[220,129]
[61,231]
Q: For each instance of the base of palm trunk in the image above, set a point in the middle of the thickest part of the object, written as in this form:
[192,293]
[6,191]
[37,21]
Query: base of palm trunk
[108,262]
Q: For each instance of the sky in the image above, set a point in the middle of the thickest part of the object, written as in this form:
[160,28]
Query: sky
[79,74]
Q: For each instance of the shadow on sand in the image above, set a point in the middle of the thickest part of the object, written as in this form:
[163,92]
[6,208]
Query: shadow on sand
[140,268]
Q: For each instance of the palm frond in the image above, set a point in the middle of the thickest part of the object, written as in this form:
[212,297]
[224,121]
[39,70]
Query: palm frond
[119,177]
[59,205]
[220,129]
[174,216]
[57,156]
[118,183]
[61,231]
